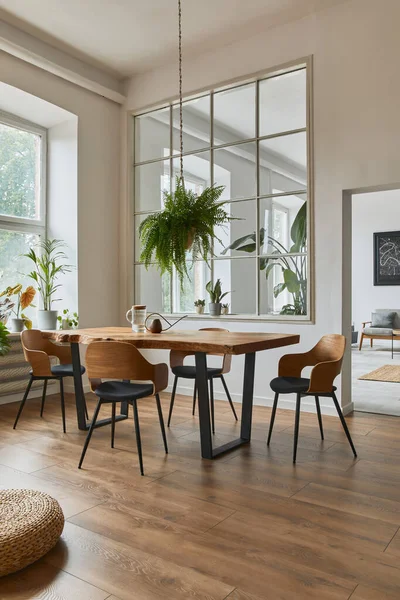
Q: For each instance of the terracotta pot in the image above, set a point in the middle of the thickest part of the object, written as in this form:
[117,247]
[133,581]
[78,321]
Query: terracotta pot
[190,238]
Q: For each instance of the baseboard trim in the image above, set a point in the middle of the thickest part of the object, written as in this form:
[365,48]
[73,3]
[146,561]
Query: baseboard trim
[10,398]
[285,402]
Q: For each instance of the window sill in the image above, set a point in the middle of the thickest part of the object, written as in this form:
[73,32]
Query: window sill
[289,319]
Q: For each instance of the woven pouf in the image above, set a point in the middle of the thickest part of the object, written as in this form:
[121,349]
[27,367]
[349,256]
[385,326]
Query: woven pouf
[30,524]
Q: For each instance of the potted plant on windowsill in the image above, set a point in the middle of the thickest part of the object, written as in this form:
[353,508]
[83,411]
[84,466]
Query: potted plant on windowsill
[49,263]
[68,320]
[23,300]
[199,306]
[216,295]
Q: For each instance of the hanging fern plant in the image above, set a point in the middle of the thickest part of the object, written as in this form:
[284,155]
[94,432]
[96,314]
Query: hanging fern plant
[186,223]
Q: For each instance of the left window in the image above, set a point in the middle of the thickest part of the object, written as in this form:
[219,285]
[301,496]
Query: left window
[22,196]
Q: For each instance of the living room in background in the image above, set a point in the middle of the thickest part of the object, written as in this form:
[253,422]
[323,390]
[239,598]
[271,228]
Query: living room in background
[254,138]
[22,197]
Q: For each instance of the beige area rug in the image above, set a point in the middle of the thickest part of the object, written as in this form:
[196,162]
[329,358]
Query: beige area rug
[390,373]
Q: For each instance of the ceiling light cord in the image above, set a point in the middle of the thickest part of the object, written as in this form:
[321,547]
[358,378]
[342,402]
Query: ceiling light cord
[180,91]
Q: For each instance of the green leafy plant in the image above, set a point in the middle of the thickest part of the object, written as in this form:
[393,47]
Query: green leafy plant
[4,339]
[72,318]
[215,292]
[186,222]
[49,263]
[226,305]
[294,268]
[200,303]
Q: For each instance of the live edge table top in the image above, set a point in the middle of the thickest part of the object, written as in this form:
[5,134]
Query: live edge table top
[210,342]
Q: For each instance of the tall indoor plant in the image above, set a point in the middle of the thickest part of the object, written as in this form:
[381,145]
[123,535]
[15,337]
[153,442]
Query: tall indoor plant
[49,259]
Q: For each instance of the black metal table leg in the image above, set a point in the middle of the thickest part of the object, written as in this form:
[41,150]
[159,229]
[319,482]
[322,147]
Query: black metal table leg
[79,393]
[203,405]
[247,401]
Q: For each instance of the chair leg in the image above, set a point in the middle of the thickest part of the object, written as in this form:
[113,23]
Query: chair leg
[212,405]
[138,439]
[194,398]
[43,397]
[361,341]
[228,396]
[62,403]
[296,427]
[371,342]
[344,424]
[319,417]
[91,429]
[171,406]
[161,419]
[271,425]
[86,411]
[28,387]
[113,424]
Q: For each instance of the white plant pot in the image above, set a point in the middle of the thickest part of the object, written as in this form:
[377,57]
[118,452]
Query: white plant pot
[65,324]
[224,311]
[215,309]
[47,319]
[199,310]
[17,325]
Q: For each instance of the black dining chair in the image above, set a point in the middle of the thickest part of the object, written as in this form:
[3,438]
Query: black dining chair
[176,360]
[37,352]
[122,363]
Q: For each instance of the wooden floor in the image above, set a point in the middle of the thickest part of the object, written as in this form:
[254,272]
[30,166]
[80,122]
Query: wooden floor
[249,526]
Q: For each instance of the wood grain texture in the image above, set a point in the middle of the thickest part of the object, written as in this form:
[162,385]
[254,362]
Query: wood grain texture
[211,342]
[38,350]
[249,526]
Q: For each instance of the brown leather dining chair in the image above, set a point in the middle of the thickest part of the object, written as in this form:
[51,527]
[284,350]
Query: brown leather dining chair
[122,363]
[176,360]
[326,359]
[37,352]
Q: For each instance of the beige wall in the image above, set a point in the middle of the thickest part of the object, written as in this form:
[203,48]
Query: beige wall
[98,185]
[355,48]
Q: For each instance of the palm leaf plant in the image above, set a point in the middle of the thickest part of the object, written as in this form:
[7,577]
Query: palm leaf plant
[4,339]
[294,268]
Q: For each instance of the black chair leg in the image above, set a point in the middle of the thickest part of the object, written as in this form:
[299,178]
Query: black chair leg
[28,387]
[89,435]
[138,439]
[86,411]
[319,417]
[161,419]
[171,406]
[212,405]
[271,425]
[43,397]
[62,403]
[112,424]
[194,398]
[296,426]
[228,396]
[344,424]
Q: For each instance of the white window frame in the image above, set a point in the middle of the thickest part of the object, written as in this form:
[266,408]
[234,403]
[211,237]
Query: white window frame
[21,224]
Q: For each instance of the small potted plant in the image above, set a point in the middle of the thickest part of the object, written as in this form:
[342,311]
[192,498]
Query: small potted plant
[68,320]
[49,263]
[199,305]
[23,300]
[4,339]
[216,295]
[224,309]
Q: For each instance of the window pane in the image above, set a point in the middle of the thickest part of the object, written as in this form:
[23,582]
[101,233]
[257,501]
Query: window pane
[152,135]
[196,171]
[235,168]
[283,288]
[196,125]
[150,182]
[152,290]
[194,287]
[234,114]
[283,163]
[283,103]
[243,225]
[19,173]
[279,229]
[14,266]
[238,276]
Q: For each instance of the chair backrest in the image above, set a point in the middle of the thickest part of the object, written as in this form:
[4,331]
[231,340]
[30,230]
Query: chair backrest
[121,360]
[330,347]
[38,349]
[176,357]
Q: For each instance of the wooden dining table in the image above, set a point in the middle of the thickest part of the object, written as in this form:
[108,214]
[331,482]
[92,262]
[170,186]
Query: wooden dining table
[198,343]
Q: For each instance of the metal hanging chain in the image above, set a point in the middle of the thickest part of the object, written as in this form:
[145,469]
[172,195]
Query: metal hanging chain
[180,91]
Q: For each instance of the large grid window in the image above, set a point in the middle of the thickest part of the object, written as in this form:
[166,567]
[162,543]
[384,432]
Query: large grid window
[22,197]
[253,139]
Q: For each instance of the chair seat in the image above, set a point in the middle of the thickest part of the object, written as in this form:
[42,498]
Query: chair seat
[189,372]
[118,391]
[289,385]
[64,370]
[378,331]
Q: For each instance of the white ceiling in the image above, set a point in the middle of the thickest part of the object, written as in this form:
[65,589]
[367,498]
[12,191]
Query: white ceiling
[131,36]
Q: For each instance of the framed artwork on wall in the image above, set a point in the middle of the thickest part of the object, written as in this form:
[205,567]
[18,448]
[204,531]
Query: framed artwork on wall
[387,258]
